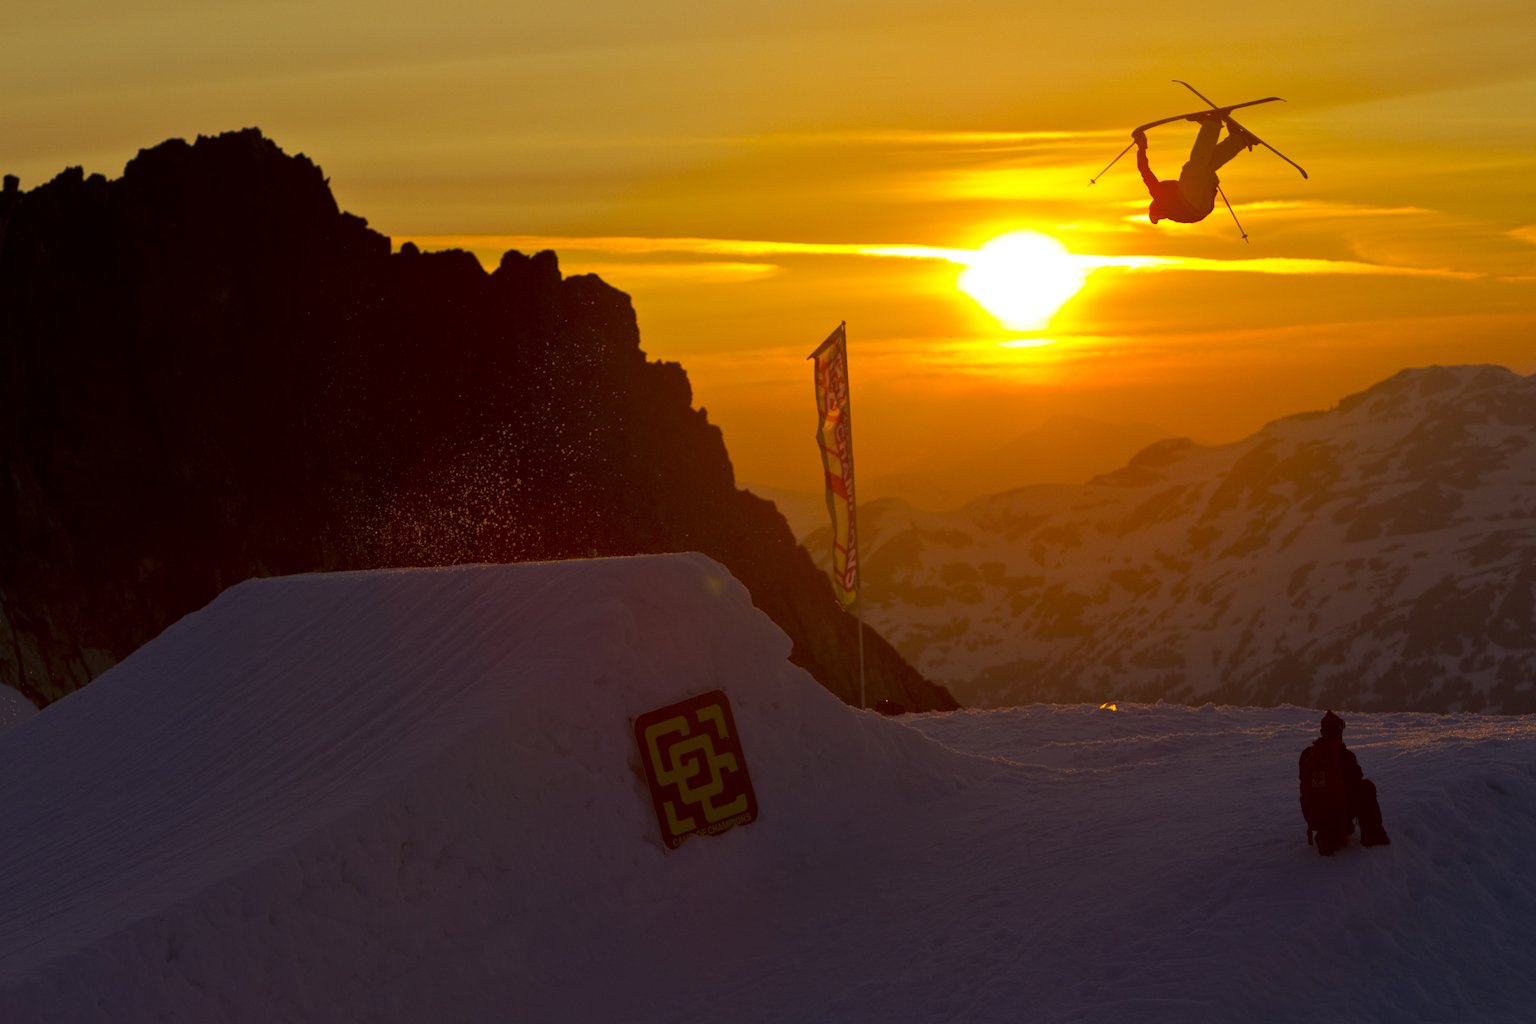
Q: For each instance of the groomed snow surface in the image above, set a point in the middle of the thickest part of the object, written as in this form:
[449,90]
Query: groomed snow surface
[415,796]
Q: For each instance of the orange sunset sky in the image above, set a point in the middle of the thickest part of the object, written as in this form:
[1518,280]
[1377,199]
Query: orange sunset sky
[752,175]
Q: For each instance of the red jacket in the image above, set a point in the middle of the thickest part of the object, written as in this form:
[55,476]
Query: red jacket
[1168,203]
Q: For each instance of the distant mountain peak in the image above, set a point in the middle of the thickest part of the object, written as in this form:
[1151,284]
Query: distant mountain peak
[1379,555]
[1393,395]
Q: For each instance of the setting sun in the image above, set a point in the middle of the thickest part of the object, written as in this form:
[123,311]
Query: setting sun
[1022,278]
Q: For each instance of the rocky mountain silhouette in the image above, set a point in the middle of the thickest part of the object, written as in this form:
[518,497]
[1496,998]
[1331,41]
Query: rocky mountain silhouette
[1377,556]
[210,372]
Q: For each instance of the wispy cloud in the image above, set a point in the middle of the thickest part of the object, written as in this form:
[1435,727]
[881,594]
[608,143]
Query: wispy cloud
[685,272]
[1332,209]
[1287,266]
[956,139]
[640,246]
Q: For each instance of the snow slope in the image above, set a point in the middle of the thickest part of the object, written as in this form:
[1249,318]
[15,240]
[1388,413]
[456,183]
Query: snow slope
[413,796]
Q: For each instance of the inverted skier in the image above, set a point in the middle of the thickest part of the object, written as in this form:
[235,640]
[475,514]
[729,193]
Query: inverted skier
[1192,197]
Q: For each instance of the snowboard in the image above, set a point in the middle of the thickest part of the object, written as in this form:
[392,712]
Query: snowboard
[1369,811]
[1234,124]
[1223,111]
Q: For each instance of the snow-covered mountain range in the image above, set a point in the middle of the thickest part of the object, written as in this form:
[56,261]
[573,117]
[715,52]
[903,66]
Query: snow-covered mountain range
[1380,555]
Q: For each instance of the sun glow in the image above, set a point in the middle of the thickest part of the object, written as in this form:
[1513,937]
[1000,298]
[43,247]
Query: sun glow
[1022,278]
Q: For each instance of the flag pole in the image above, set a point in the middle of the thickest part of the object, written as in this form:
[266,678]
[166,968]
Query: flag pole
[858,566]
[862,702]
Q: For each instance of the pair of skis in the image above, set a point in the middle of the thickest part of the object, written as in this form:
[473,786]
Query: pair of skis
[1225,113]
[1229,121]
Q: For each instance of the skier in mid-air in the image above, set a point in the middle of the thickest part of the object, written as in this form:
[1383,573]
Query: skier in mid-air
[1192,197]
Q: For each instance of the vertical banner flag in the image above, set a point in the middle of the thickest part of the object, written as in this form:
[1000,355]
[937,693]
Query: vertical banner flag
[835,436]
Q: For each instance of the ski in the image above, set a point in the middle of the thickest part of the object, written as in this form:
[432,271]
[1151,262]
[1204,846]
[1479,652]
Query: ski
[1223,111]
[1233,123]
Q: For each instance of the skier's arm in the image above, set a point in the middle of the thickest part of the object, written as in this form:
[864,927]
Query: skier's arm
[1141,160]
[1302,772]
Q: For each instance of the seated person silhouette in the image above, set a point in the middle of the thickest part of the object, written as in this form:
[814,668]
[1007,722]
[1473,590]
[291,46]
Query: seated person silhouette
[1193,196]
[1334,793]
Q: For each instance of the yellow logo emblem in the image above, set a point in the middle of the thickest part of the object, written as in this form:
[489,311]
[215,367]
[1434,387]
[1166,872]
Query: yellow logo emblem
[695,767]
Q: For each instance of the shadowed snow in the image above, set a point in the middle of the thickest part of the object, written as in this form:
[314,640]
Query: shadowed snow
[415,795]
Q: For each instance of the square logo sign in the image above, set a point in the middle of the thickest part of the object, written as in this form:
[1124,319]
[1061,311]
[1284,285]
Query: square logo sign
[695,767]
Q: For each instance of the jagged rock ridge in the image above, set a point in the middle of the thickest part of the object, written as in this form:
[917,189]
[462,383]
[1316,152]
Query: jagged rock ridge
[209,372]
[1381,555]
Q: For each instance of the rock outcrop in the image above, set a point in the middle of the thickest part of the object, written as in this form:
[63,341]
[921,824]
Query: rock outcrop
[210,372]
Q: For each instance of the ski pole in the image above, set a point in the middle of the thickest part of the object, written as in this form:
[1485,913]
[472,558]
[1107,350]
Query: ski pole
[1095,179]
[1233,213]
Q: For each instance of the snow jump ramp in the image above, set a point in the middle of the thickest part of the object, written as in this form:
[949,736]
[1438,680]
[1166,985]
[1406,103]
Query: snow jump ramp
[405,795]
